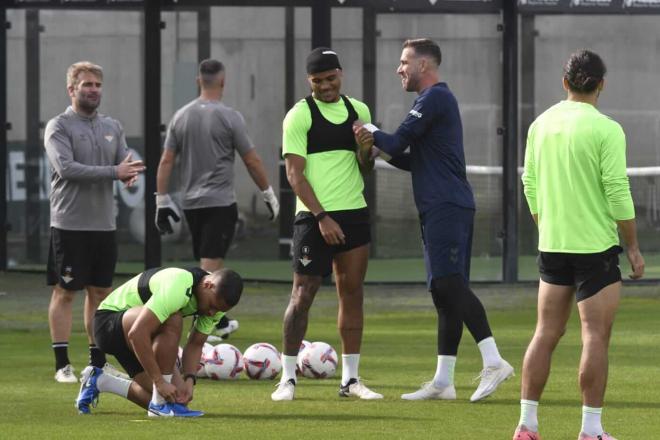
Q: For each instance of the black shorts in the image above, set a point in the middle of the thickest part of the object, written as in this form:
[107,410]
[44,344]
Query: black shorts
[109,337]
[81,258]
[212,230]
[589,272]
[312,255]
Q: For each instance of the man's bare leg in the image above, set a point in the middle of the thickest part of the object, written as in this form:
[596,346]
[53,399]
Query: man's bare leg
[554,309]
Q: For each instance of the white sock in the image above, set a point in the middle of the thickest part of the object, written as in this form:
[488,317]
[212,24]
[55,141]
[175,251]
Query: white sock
[349,367]
[289,367]
[528,417]
[490,355]
[156,398]
[114,385]
[444,371]
[591,421]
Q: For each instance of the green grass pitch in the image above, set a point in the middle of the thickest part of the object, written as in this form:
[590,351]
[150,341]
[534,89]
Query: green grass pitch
[398,354]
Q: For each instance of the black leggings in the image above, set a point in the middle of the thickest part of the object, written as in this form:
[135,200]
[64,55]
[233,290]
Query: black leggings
[456,304]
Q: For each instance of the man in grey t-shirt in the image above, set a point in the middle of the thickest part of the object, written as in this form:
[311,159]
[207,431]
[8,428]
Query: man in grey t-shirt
[87,152]
[205,134]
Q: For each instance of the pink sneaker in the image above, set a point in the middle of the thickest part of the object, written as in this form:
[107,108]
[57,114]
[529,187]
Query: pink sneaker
[522,433]
[603,436]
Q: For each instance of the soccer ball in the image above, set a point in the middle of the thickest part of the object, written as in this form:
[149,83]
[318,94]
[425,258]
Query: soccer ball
[207,351]
[318,361]
[262,361]
[303,345]
[224,362]
[200,365]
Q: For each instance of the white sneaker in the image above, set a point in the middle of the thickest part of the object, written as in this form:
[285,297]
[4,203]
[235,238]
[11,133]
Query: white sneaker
[220,334]
[491,378]
[111,370]
[66,374]
[355,388]
[284,391]
[429,391]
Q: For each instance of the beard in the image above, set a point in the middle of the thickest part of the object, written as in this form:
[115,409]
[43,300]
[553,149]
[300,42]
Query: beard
[88,105]
[411,84]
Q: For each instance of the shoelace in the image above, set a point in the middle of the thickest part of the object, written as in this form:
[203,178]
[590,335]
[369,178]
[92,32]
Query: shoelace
[284,383]
[361,386]
[484,374]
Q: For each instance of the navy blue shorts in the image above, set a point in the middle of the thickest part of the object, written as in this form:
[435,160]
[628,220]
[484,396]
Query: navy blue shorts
[447,241]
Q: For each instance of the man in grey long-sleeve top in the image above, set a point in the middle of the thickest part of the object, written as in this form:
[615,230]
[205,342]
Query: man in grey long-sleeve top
[87,152]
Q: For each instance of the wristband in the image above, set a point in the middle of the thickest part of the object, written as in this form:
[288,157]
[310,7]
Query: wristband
[320,216]
[190,376]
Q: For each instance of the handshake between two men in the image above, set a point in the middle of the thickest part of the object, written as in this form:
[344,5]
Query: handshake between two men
[364,137]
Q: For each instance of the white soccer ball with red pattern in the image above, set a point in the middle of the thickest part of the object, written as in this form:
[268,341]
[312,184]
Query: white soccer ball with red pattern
[318,361]
[303,345]
[224,362]
[207,351]
[262,361]
[200,365]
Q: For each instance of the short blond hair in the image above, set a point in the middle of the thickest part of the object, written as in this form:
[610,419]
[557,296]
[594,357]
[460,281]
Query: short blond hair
[76,69]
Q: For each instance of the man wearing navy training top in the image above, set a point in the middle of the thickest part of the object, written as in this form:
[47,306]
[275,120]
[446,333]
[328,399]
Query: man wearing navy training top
[433,132]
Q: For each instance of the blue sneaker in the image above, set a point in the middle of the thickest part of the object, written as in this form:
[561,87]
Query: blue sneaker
[89,393]
[168,409]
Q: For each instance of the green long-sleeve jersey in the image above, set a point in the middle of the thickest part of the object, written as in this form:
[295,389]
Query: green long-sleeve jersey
[575,178]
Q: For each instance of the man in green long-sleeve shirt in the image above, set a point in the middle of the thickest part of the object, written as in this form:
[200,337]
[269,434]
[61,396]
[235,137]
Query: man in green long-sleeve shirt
[578,193]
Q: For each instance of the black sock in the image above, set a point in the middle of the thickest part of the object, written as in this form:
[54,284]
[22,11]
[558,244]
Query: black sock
[61,350]
[96,356]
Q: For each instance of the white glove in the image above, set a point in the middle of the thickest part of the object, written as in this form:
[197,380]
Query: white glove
[271,203]
[166,210]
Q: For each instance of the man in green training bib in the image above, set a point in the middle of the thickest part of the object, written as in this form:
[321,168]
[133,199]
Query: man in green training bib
[578,194]
[331,228]
[141,322]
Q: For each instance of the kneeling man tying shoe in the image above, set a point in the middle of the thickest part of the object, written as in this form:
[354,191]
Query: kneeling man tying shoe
[140,323]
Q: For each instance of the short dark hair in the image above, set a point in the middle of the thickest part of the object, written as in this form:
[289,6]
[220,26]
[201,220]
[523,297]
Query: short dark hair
[208,69]
[584,70]
[425,47]
[228,285]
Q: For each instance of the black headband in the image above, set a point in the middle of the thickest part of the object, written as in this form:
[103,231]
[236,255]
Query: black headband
[322,59]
